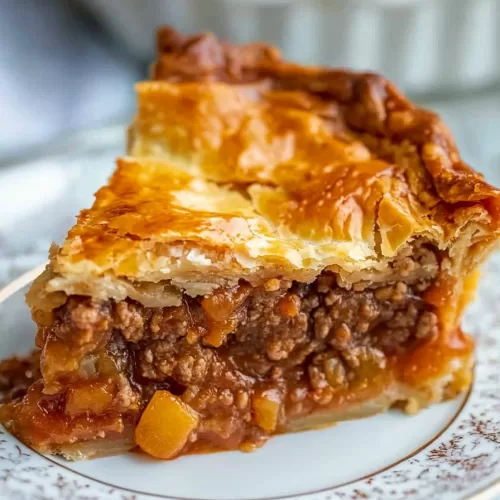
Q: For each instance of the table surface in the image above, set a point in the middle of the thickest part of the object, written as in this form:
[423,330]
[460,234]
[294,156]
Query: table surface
[42,193]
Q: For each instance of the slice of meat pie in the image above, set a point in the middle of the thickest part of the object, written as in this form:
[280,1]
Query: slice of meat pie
[284,247]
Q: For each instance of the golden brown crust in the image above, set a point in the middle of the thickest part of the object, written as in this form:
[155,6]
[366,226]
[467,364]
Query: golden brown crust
[367,102]
[245,166]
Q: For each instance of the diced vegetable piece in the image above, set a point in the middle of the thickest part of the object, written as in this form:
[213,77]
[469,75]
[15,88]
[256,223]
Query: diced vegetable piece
[221,307]
[223,302]
[218,332]
[289,305]
[165,425]
[57,359]
[94,397]
[266,407]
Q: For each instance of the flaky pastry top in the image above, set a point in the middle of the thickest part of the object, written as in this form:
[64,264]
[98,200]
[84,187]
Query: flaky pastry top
[244,166]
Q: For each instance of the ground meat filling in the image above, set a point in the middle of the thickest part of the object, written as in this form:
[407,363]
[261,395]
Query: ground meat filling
[306,344]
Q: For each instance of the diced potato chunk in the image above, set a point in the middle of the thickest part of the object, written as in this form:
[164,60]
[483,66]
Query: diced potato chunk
[165,425]
[266,407]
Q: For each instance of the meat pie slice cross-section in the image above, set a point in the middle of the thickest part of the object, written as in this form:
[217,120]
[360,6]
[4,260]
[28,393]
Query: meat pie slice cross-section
[282,248]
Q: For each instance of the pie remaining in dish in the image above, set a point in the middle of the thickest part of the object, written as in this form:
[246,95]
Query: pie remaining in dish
[284,247]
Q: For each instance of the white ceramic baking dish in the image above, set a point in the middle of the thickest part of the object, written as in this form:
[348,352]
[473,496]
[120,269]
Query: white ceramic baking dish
[423,45]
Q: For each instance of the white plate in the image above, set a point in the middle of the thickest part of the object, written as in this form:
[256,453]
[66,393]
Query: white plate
[449,451]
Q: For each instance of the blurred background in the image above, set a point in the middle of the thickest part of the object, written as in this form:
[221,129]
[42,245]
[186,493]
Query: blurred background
[67,69]
[70,64]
